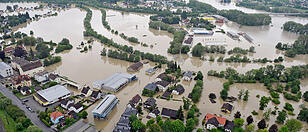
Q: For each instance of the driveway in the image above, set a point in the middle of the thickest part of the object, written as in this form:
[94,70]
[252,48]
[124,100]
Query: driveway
[32,116]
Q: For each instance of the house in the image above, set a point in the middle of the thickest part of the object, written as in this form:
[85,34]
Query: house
[21,81]
[233,35]
[95,95]
[5,70]
[76,107]
[26,67]
[52,95]
[9,50]
[135,67]
[65,103]
[25,90]
[86,91]
[188,41]
[229,126]
[179,89]
[161,77]
[162,85]
[123,125]
[55,117]
[151,87]
[188,75]
[213,122]
[169,113]
[41,76]
[54,78]
[150,71]
[150,103]
[154,113]
[115,82]
[73,114]
[105,106]
[166,95]
[227,108]
[135,100]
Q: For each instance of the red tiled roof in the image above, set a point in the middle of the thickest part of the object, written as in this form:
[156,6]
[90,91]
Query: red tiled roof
[55,115]
[221,120]
[21,78]
[7,49]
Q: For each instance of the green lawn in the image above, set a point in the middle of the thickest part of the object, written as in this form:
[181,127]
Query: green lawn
[8,122]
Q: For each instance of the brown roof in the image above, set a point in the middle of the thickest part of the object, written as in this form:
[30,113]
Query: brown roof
[162,76]
[136,99]
[52,76]
[135,66]
[8,49]
[189,40]
[31,65]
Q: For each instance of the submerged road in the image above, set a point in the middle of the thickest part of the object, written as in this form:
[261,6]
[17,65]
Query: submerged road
[32,116]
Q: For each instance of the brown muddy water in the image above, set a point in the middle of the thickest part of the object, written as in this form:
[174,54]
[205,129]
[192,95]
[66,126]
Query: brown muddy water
[85,68]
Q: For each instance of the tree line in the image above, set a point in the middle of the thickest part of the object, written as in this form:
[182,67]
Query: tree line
[300,46]
[295,27]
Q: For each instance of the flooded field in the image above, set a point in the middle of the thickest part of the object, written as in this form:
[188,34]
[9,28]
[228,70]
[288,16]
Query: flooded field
[87,67]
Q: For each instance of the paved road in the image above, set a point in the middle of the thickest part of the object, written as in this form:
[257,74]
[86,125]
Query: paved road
[32,116]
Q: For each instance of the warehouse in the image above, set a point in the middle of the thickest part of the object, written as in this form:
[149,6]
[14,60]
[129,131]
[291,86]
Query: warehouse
[52,95]
[115,82]
[105,106]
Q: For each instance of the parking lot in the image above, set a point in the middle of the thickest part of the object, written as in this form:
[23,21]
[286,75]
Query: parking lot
[35,106]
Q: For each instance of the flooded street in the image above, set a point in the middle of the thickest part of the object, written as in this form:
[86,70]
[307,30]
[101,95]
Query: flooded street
[87,67]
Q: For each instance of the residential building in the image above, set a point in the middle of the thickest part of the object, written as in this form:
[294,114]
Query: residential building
[160,77]
[95,95]
[115,82]
[76,107]
[136,100]
[213,122]
[55,117]
[229,126]
[169,113]
[123,125]
[26,67]
[179,89]
[166,95]
[25,90]
[105,106]
[64,103]
[52,95]
[188,75]
[5,70]
[86,91]
[54,77]
[226,108]
[154,113]
[188,41]
[150,71]
[162,85]
[151,87]
[9,50]
[41,76]
[150,103]
[135,67]
[21,81]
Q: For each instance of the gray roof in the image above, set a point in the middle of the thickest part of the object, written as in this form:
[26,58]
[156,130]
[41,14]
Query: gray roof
[188,74]
[53,92]
[103,105]
[151,86]
[4,66]
[114,81]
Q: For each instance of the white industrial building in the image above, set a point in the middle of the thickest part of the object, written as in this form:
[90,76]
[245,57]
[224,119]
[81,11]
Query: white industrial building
[52,95]
[115,82]
[5,70]
[105,106]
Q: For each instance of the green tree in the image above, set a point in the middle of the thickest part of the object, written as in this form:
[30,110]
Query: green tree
[284,129]
[250,127]
[282,115]
[238,122]
[154,128]
[33,129]
[294,125]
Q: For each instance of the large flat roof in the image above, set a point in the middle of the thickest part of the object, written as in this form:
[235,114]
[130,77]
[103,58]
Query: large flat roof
[53,92]
[114,81]
[104,104]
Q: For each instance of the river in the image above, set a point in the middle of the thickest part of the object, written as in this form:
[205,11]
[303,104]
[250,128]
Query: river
[85,68]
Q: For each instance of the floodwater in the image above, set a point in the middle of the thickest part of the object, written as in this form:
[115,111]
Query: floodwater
[87,67]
